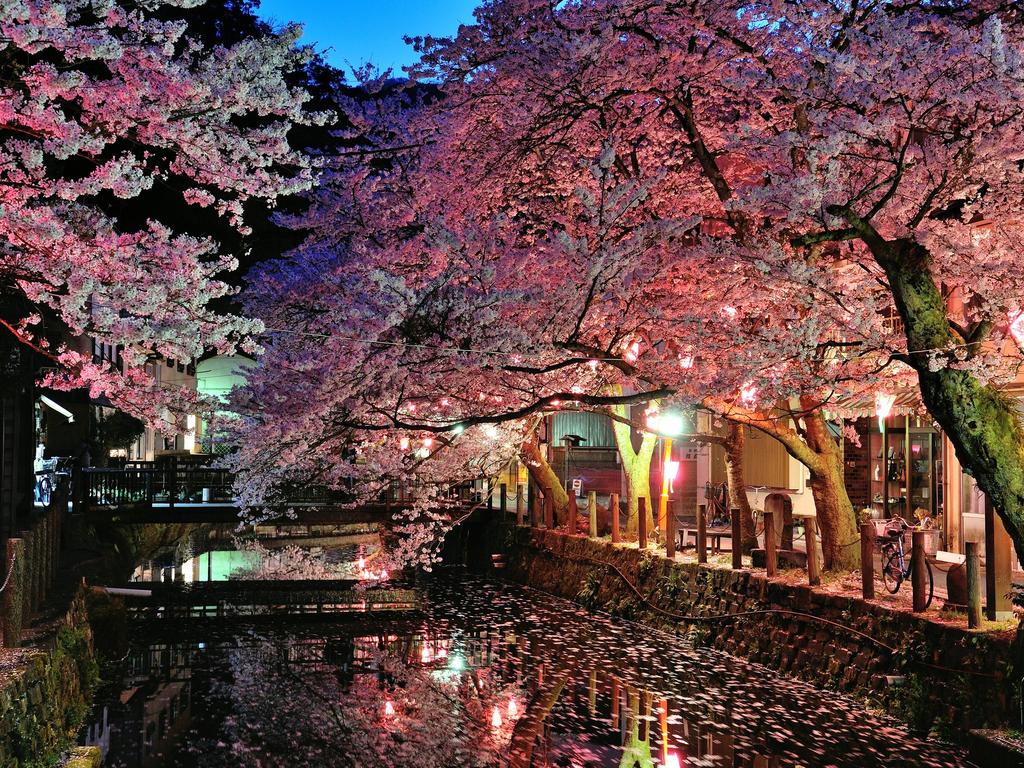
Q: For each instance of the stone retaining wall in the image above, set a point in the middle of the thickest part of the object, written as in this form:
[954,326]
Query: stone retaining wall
[953,679]
[45,693]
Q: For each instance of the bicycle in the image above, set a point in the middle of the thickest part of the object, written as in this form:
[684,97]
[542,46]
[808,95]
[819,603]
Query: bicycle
[896,565]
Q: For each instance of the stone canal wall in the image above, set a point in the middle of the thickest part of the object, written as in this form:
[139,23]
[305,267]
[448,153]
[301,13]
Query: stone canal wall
[45,691]
[953,679]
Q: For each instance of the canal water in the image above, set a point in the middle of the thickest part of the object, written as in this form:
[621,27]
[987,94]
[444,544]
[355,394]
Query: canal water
[486,674]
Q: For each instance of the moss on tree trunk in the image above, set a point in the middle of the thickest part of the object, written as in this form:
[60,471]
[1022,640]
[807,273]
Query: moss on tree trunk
[979,420]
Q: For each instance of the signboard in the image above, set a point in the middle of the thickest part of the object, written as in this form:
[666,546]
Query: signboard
[577,486]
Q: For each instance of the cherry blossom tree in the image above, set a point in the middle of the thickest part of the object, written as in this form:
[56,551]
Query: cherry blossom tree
[724,204]
[101,103]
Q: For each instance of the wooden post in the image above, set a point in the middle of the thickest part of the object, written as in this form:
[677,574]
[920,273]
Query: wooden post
[737,539]
[918,578]
[573,512]
[670,533]
[592,508]
[642,522]
[520,505]
[503,500]
[813,568]
[867,560]
[973,585]
[549,511]
[771,562]
[702,533]
[613,502]
[997,567]
[537,510]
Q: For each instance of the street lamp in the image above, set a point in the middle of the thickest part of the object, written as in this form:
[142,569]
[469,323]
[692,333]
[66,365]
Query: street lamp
[667,425]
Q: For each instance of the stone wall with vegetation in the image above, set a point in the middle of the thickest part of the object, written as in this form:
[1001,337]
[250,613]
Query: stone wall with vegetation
[45,692]
[953,679]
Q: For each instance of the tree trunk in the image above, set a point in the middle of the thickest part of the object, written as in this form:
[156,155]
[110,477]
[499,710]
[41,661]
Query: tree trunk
[979,420]
[636,465]
[817,450]
[544,475]
[734,443]
[837,521]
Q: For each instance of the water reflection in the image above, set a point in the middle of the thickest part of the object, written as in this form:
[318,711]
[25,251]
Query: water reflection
[489,675]
[342,561]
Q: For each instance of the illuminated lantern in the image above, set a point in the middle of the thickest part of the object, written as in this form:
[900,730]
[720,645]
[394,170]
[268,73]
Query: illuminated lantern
[671,470]
[403,444]
[425,655]
[632,352]
[496,717]
[748,394]
[513,708]
[1017,327]
[883,407]
[428,442]
[389,709]
[672,761]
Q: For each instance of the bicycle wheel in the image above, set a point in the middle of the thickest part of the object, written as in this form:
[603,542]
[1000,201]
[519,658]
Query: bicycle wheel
[931,582]
[892,574]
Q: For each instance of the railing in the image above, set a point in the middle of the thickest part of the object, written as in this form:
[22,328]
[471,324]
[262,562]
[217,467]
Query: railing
[170,484]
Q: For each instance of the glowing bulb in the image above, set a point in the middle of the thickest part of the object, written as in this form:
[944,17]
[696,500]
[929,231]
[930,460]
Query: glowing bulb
[389,708]
[748,394]
[513,708]
[1017,327]
[491,431]
[672,760]
[425,655]
[883,404]
[403,444]
[671,470]
[496,717]
[428,442]
[456,663]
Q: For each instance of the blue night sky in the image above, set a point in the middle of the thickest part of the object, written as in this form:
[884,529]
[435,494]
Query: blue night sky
[354,32]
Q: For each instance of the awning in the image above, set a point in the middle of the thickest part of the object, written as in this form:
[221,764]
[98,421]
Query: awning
[54,406]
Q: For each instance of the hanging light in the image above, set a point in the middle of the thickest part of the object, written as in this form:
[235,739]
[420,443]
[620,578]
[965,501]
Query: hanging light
[403,444]
[883,407]
[748,394]
[495,717]
[426,655]
[389,708]
[491,431]
[1017,327]
[513,707]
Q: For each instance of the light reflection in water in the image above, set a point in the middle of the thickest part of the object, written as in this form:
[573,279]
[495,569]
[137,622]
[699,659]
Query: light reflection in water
[491,675]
